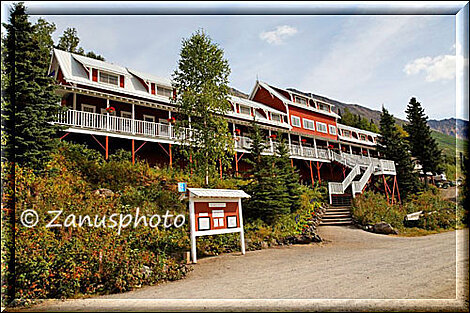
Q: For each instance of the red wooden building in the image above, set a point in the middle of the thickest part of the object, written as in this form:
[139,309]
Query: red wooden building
[112,107]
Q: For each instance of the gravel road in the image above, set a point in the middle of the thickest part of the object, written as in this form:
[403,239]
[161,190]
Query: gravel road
[350,264]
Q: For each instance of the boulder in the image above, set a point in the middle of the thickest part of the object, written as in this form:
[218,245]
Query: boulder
[103,192]
[384,228]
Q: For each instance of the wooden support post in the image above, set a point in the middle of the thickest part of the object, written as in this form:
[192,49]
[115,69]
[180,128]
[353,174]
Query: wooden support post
[236,164]
[393,189]
[386,187]
[318,173]
[220,168]
[64,136]
[171,155]
[292,163]
[133,152]
[398,191]
[311,173]
[107,150]
[191,163]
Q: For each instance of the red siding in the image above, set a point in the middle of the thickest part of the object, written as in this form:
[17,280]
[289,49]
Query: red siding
[152,88]
[302,113]
[60,77]
[121,81]
[94,75]
[263,96]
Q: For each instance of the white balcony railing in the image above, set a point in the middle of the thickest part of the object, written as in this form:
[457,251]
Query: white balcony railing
[81,119]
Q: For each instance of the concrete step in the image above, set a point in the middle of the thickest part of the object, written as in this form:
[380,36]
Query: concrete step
[337,222]
[335,216]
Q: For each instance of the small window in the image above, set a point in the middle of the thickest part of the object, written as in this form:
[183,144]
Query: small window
[276,117]
[321,127]
[346,133]
[163,91]
[88,108]
[295,121]
[300,100]
[109,78]
[323,106]
[332,129]
[126,114]
[309,124]
[362,137]
[245,110]
[149,118]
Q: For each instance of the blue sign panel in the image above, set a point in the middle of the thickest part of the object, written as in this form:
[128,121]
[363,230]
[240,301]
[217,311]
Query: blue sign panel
[181,187]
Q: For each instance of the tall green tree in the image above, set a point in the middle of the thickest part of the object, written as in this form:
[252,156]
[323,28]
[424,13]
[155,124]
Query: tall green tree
[288,175]
[43,31]
[69,42]
[393,146]
[423,146]
[201,84]
[270,198]
[31,103]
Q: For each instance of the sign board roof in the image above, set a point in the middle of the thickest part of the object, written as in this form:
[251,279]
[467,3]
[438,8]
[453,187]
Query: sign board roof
[216,193]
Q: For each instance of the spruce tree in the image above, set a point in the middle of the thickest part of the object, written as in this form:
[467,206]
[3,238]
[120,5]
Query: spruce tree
[288,174]
[69,42]
[423,146]
[31,102]
[269,195]
[393,147]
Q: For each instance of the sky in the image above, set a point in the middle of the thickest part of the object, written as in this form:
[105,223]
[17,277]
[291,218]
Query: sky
[364,59]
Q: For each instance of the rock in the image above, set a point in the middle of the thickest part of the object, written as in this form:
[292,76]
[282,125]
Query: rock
[264,245]
[103,192]
[146,271]
[384,228]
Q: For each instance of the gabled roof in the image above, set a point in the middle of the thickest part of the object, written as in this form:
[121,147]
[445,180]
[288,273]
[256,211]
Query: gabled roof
[255,105]
[149,77]
[74,69]
[216,193]
[287,101]
[357,130]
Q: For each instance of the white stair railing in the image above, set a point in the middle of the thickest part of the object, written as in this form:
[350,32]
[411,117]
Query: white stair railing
[357,186]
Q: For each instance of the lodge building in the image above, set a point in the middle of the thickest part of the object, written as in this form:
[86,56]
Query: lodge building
[112,107]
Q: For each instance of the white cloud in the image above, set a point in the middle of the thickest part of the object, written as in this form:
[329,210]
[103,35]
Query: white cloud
[278,35]
[441,67]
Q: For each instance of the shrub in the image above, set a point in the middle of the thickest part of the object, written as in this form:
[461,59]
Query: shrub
[371,208]
[437,212]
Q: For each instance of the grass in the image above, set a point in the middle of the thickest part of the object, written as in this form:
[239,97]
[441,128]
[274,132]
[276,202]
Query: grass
[449,144]
[417,232]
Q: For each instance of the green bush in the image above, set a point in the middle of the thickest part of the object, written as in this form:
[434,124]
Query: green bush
[64,262]
[371,208]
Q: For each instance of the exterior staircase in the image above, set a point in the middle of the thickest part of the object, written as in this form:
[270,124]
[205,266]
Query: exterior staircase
[361,166]
[337,215]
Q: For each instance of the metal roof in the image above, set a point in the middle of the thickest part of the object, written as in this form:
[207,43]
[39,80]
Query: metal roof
[216,193]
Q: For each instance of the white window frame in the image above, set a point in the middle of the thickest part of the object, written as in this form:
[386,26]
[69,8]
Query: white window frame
[320,126]
[301,98]
[148,116]
[88,106]
[292,118]
[160,87]
[305,124]
[245,107]
[109,74]
[332,127]
[126,112]
[279,118]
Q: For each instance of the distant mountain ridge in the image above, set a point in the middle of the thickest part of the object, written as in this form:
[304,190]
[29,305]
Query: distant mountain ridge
[449,126]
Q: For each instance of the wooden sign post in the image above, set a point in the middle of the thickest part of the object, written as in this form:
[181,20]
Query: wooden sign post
[214,212]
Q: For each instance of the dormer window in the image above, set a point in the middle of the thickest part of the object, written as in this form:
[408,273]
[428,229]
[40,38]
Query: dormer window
[276,117]
[245,110]
[300,100]
[163,91]
[323,106]
[109,78]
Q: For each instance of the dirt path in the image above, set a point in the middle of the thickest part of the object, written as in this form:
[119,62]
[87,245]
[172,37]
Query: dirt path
[352,264]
